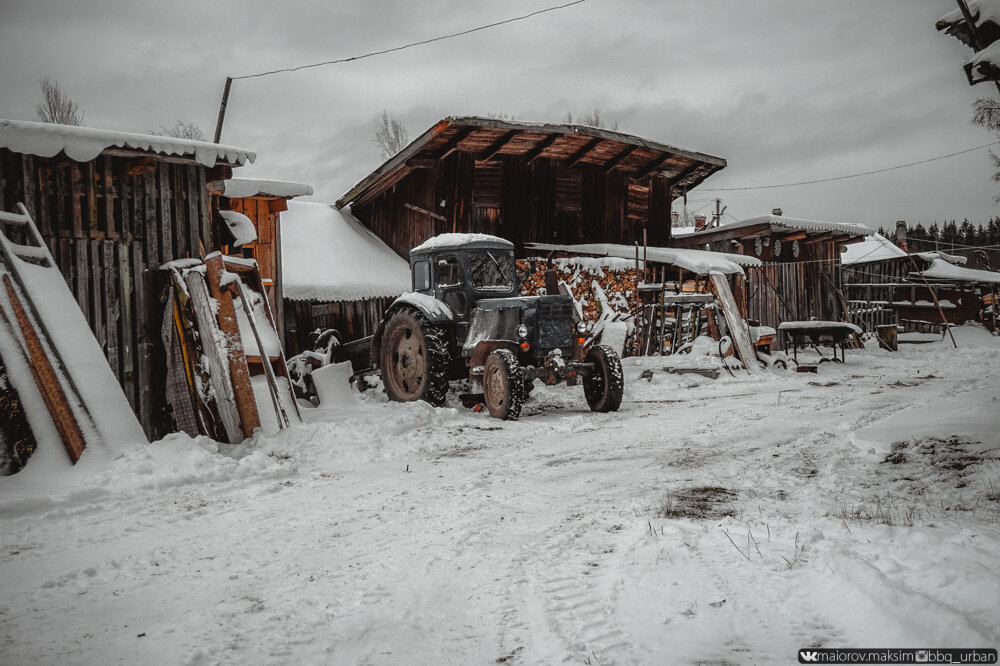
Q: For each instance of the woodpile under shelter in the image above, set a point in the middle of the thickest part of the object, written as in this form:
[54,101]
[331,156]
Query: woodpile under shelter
[112,207]
[800,276]
[527,182]
[261,202]
[336,274]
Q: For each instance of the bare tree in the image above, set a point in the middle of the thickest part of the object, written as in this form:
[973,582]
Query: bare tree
[592,119]
[182,130]
[56,107]
[390,135]
[986,114]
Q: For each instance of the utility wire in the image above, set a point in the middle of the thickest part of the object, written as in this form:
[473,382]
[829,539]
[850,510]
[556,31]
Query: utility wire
[853,175]
[420,43]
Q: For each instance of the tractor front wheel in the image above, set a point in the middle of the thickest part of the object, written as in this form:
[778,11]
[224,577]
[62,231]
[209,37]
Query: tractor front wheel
[503,387]
[605,384]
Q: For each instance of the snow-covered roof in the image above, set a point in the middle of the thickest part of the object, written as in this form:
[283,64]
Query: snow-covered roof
[793,223]
[83,144]
[458,240]
[982,12]
[874,248]
[943,270]
[240,226]
[696,261]
[328,255]
[238,188]
[950,258]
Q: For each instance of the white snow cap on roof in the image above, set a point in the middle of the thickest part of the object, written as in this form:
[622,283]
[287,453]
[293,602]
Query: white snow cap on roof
[875,248]
[83,144]
[328,255]
[800,224]
[455,240]
[696,261]
[240,226]
[943,270]
[238,188]
[950,258]
[981,10]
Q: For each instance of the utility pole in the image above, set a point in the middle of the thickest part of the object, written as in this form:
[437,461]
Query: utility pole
[222,109]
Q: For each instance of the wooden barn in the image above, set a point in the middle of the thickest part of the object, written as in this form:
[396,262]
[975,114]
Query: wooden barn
[336,274]
[527,182]
[800,276]
[262,202]
[112,207]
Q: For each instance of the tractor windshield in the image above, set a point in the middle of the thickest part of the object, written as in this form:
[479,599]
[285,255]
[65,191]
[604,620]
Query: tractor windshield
[491,270]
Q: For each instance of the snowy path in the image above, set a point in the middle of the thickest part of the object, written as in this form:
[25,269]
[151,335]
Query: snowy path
[714,522]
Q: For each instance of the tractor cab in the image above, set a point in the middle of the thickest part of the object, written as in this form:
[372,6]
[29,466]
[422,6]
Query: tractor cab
[459,270]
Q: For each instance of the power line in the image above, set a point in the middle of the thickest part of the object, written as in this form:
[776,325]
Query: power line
[412,44]
[853,175]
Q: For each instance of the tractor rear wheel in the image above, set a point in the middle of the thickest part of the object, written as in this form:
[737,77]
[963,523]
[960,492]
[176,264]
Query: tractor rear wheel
[503,387]
[605,384]
[415,359]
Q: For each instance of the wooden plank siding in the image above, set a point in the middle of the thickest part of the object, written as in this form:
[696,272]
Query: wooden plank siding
[353,319]
[109,223]
[520,200]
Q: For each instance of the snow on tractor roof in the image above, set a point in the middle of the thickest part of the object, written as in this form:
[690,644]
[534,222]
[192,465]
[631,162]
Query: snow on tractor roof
[327,255]
[444,241]
[84,144]
[239,188]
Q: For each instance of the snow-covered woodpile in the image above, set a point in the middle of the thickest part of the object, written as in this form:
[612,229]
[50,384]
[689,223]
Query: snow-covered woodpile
[616,277]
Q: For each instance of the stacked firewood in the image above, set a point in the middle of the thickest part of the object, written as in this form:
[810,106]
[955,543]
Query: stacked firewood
[579,276]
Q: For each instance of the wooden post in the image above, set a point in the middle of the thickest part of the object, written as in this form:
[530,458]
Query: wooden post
[239,373]
[222,109]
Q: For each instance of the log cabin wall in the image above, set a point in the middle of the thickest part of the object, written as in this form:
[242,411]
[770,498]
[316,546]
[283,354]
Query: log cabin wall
[109,224]
[523,202]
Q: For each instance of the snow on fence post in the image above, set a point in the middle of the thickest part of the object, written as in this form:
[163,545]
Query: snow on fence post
[239,373]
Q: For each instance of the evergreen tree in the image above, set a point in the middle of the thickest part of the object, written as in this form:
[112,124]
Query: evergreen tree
[881,232]
[918,233]
[993,232]
[934,232]
[949,235]
[965,231]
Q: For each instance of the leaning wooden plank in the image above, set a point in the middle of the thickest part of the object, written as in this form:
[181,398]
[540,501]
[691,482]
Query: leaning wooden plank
[738,329]
[73,348]
[45,376]
[239,373]
[218,365]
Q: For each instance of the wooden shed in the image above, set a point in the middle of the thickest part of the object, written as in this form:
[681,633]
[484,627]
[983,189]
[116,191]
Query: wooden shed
[527,182]
[112,207]
[262,202]
[800,277]
[337,274]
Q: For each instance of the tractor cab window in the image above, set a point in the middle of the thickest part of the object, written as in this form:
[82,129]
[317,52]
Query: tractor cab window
[421,276]
[491,270]
[449,272]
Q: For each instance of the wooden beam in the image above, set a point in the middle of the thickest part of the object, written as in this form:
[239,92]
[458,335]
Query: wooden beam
[426,212]
[218,172]
[619,158]
[539,148]
[575,158]
[277,205]
[683,175]
[142,165]
[452,144]
[651,167]
[421,162]
[794,236]
[491,151]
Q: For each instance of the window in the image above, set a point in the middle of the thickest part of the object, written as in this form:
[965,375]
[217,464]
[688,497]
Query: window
[491,270]
[421,276]
[449,272]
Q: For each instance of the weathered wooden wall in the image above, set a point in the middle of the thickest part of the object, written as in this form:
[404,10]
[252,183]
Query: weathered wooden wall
[797,290]
[520,200]
[354,320]
[109,224]
[265,214]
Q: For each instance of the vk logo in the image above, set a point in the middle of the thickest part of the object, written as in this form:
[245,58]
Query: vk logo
[806,657]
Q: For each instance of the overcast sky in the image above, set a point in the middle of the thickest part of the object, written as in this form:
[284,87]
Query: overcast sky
[785,90]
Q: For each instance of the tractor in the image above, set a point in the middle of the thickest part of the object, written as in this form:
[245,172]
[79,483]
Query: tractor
[465,319]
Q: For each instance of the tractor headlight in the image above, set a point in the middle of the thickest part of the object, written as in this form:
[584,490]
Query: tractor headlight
[581,327]
[522,331]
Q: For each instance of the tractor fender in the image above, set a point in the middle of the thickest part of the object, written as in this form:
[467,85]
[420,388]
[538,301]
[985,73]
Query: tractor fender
[431,308]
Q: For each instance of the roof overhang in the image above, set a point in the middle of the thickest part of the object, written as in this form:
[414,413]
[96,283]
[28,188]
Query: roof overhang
[489,139]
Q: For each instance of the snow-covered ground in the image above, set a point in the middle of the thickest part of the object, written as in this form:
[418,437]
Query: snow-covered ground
[726,521]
